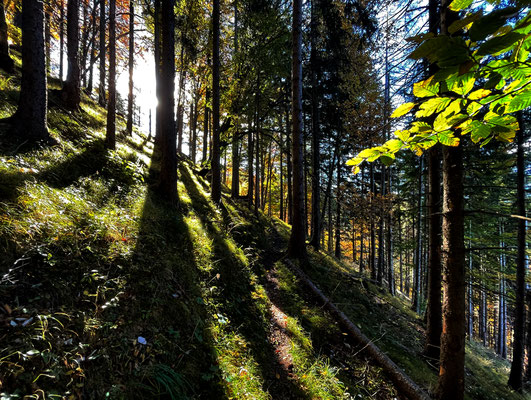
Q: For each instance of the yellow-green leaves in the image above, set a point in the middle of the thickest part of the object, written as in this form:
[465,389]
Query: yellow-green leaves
[402,110]
[458,5]
[426,88]
[519,102]
[484,75]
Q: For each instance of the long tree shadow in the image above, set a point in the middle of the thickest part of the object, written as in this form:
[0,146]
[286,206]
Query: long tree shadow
[236,301]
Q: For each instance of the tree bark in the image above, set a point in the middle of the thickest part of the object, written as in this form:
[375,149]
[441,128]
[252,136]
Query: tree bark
[102,97]
[6,62]
[434,310]
[451,384]
[316,186]
[30,118]
[90,85]
[515,376]
[168,171]
[235,182]
[72,87]
[216,172]
[110,138]
[131,64]
[337,250]
[297,245]
[61,40]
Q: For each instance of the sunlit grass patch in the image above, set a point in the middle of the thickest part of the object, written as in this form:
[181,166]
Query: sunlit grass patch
[240,372]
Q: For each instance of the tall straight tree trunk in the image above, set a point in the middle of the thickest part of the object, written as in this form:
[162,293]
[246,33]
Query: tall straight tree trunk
[337,250]
[281,148]
[61,40]
[30,118]
[216,173]
[381,239]
[131,65]
[193,116]
[502,325]
[102,98]
[290,171]
[418,250]
[90,85]
[235,183]
[452,367]
[6,62]
[390,256]
[206,120]
[515,376]
[72,87]
[470,291]
[434,307]
[84,43]
[110,138]
[158,79]
[168,170]
[47,34]
[315,217]
[297,245]
[372,252]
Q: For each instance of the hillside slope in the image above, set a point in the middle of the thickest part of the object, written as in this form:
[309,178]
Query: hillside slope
[108,292]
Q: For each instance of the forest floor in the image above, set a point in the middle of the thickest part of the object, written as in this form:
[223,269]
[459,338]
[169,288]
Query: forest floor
[108,292]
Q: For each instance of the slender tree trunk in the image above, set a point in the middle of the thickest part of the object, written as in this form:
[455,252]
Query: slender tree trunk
[61,40]
[216,176]
[102,98]
[90,85]
[6,62]
[30,118]
[110,138]
[289,204]
[372,252]
[168,170]
[470,291]
[72,87]
[47,34]
[281,147]
[418,250]
[434,307]
[381,222]
[337,251]
[193,116]
[204,157]
[297,245]
[131,65]
[451,383]
[315,217]
[390,256]
[235,184]
[515,376]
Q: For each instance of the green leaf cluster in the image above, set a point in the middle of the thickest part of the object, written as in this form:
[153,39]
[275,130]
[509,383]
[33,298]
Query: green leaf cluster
[484,76]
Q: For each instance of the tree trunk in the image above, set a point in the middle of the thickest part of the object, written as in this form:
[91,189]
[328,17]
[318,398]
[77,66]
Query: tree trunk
[372,252]
[102,98]
[418,250]
[131,64]
[281,146]
[235,183]
[451,384]
[168,170]
[216,173]
[90,85]
[110,138]
[316,216]
[6,62]
[515,376]
[381,222]
[337,250]
[61,40]
[72,87]
[390,263]
[206,117]
[434,311]
[47,34]
[297,245]
[289,206]
[30,118]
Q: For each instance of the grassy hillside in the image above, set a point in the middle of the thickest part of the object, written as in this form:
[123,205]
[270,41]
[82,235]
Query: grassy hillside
[108,292]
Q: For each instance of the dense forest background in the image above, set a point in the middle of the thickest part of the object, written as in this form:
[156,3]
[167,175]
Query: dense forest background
[380,145]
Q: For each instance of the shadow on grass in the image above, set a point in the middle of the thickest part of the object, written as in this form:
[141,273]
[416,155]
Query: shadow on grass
[235,300]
